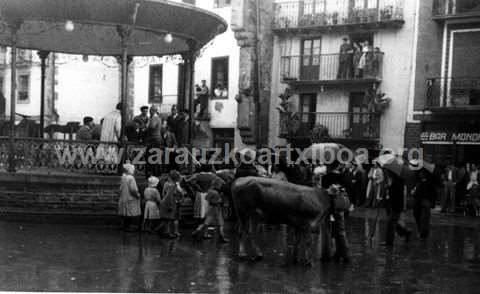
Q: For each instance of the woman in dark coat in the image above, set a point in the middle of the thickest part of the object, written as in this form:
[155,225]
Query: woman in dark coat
[424,194]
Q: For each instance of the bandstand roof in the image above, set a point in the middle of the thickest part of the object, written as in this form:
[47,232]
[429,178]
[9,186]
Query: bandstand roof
[96,21]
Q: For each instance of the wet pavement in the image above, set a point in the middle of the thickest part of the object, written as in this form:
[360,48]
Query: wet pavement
[55,257]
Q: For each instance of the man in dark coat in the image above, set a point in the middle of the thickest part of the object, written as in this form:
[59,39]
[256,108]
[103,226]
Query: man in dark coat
[424,194]
[140,123]
[395,206]
[345,67]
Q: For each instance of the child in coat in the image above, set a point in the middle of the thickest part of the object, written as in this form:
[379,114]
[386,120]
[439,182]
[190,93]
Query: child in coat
[169,212]
[151,215]
[214,215]
[129,200]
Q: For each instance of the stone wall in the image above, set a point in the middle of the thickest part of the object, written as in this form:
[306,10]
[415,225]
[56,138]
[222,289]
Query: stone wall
[245,28]
[70,195]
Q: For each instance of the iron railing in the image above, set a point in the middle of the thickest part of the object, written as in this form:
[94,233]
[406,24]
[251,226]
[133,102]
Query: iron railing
[315,13]
[67,156]
[453,92]
[329,67]
[448,8]
[338,125]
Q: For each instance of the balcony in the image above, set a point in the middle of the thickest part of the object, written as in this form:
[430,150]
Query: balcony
[337,15]
[453,95]
[328,126]
[326,69]
[447,9]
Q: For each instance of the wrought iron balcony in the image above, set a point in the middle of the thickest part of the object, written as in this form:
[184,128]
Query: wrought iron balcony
[453,93]
[443,9]
[331,125]
[331,14]
[332,68]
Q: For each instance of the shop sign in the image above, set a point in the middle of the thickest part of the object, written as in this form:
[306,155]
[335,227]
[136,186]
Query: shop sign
[450,137]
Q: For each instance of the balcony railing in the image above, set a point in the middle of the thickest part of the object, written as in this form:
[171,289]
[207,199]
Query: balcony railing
[336,125]
[456,8]
[332,67]
[453,92]
[322,13]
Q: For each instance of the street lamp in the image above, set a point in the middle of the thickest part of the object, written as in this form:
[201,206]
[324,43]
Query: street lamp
[168,38]
[69,26]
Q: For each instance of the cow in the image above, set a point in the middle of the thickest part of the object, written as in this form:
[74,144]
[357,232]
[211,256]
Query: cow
[274,202]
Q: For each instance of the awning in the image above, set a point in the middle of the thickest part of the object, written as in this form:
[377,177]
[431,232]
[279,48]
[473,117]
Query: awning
[95,23]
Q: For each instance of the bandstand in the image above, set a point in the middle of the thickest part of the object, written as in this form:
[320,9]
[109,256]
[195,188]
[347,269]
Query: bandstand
[31,172]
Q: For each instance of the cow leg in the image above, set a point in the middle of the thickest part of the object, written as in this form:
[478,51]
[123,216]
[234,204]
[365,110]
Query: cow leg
[308,240]
[296,246]
[253,233]
[243,235]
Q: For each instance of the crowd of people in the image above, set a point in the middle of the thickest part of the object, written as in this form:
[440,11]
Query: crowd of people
[358,60]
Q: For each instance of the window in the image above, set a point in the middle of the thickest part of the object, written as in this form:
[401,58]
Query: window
[155,87]
[219,77]
[24,55]
[3,55]
[23,87]
[222,3]
[191,2]
[463,82]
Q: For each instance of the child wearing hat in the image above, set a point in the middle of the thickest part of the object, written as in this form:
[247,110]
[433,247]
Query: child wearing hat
[151,215]
[169,212]
[129,200]
[214,215]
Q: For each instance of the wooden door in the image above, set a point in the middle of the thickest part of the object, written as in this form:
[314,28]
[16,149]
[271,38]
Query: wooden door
[310,67]
[308,107]
[360,118]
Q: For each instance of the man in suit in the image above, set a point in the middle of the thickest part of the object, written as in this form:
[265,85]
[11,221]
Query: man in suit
[449,182]
[140,122]
[86,131]
[155,143]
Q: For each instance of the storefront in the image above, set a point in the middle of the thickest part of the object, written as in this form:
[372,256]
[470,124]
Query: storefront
[451,141]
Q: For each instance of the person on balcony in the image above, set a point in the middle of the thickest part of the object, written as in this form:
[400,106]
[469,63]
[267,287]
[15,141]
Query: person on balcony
[364,64]
[85,133]
[112,125]
[220,91]
[345,68]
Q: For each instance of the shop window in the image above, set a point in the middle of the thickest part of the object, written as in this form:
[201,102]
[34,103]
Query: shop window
[222,3]
[23,89]
[155,86]
[219,78]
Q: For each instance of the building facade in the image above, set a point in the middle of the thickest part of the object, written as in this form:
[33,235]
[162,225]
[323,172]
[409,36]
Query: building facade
[346,66]
[79,86]
[444,116]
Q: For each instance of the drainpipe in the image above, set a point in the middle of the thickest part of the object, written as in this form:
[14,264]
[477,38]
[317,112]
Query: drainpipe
[257,128]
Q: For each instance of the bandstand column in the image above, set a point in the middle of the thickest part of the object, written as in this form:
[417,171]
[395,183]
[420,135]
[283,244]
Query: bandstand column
[13,90]
[43,58]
